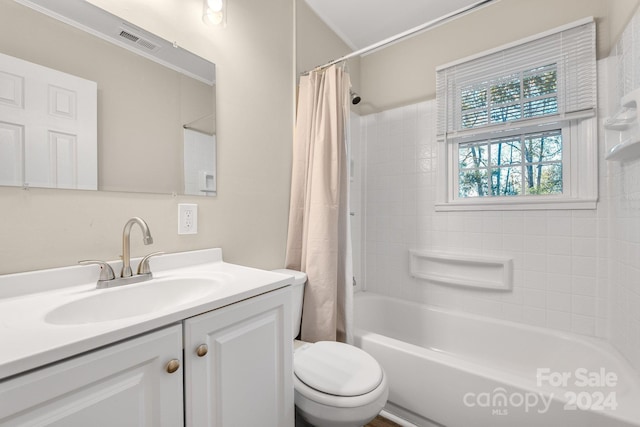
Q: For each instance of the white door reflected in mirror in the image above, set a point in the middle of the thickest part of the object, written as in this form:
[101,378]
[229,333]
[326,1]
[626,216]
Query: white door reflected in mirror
[48,127]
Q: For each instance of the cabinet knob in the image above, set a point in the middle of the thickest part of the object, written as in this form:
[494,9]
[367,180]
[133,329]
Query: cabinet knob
[202,350]
[173,366]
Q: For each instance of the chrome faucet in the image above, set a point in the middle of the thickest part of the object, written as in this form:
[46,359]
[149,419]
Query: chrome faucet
[126,243]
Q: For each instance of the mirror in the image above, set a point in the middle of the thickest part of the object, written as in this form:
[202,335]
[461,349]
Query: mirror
[155,102]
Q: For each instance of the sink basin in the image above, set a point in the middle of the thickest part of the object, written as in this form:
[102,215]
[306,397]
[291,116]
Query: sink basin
[132,300]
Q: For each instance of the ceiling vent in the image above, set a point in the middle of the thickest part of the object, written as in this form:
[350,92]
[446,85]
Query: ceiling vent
[138,40]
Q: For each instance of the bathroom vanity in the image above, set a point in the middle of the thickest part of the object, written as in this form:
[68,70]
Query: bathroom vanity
[217,353]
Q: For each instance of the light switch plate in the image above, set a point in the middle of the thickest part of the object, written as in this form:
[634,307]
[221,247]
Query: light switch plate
[187,218]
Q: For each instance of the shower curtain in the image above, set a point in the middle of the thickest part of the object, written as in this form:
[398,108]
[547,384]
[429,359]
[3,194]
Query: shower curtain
[319,241]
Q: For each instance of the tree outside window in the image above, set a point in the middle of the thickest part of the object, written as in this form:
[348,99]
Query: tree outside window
[529,164]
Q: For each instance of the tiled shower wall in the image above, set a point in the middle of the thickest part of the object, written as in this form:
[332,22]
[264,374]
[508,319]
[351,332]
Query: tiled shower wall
[625,260]
[624,206]
[560,267]
[575,271]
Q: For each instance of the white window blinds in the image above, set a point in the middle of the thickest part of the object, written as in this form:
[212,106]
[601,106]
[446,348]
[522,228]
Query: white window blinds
[550,76]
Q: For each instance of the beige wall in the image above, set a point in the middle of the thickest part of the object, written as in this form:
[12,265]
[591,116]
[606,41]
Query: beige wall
[317,44]
[248,219]
[404,73]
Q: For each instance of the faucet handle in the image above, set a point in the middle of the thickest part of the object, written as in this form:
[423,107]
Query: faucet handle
[106,272]
[143,267]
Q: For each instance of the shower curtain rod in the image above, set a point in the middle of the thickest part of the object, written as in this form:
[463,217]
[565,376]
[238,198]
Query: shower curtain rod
[404,34]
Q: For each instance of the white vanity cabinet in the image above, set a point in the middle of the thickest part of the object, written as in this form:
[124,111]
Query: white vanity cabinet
[228,367]
[125,384]
[238,369]
[223,330]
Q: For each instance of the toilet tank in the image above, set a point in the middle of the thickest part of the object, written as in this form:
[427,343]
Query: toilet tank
[297,292]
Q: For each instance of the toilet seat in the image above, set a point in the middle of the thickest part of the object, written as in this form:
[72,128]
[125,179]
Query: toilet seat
[324,409]
[337,369]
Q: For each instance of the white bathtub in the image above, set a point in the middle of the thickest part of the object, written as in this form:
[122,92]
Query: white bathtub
[462,370]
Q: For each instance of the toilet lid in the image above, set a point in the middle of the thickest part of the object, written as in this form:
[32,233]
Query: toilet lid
[336,368]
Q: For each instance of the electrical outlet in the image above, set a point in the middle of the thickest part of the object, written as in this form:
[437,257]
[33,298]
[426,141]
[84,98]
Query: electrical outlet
[187,218]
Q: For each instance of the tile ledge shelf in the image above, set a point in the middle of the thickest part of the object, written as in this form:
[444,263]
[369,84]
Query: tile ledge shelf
[625,151]
[484,272]
[625,119]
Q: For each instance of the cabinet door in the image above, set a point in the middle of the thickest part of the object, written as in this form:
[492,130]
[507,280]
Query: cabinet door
[126,384]
[246,377]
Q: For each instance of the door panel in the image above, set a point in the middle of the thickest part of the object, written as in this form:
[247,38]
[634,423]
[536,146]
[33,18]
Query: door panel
[47,103]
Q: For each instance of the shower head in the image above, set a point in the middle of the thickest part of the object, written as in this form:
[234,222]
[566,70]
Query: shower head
[355,98]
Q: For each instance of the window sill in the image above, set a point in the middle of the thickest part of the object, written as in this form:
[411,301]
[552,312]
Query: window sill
[516,205]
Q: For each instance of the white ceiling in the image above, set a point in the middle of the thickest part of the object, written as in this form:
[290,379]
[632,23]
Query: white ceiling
[361,23]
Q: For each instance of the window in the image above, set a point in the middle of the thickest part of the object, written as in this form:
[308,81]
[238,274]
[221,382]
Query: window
[529,164]
[528,94]
[518,125]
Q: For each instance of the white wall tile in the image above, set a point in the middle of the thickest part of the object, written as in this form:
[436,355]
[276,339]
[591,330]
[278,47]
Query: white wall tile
[559,320]
[585,325]
[535,223]
[583,266]
[583,305]
[512,243]
[558,282]
[583,227]
[582,285]
[534,279]
[535,244]
[559,264]
[559,226]
[558,301]
[512,312]
[535,298]
[587,247]
[558,245]
[534,316]
[574,270]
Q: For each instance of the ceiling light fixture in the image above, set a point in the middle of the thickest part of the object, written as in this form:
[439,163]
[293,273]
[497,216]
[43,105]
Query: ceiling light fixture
[214,12]
[215,5]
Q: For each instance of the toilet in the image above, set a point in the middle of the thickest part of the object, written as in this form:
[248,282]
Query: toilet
[336,384]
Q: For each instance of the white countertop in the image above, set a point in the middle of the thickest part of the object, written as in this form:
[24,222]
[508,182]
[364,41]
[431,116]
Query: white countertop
[27,341]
